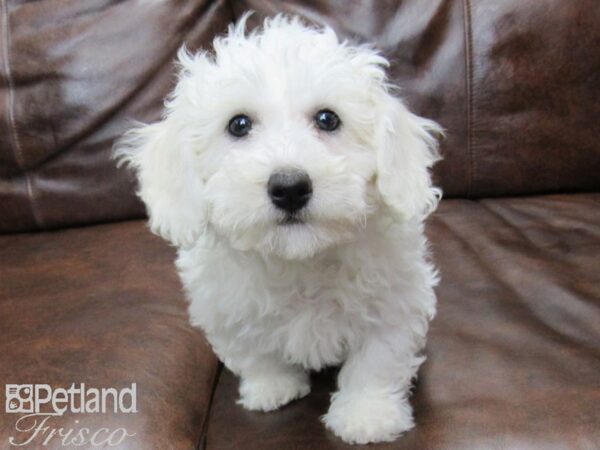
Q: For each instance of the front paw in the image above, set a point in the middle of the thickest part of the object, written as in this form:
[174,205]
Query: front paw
[268,392]
[367,417]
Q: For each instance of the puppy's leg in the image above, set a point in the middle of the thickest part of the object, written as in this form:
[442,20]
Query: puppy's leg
[371,404]
[268,383]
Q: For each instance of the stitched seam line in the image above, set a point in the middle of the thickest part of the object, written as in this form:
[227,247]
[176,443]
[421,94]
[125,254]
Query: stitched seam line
[469,89]
[14,135]
[216,376]
[11,95]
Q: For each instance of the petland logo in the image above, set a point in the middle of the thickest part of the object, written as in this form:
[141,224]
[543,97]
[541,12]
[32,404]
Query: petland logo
[39,403]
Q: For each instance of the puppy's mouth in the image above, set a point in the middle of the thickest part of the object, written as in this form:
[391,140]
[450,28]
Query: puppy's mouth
[290,219]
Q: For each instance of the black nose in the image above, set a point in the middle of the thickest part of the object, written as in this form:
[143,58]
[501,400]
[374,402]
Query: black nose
[289,190]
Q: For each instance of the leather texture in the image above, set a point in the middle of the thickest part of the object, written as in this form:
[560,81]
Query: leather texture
[73,75]
[103,306]
[514,83]
[513,355]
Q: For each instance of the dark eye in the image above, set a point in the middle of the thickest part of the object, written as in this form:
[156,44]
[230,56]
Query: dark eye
[327,120]
[240,125]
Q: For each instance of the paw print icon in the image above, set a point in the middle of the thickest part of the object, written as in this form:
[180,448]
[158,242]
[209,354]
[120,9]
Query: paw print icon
[19,398]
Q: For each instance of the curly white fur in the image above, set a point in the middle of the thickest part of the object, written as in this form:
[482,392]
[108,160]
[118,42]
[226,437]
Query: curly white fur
[351,284]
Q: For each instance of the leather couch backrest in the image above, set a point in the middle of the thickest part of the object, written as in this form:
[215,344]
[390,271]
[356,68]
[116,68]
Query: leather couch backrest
[73,75]
[515,83]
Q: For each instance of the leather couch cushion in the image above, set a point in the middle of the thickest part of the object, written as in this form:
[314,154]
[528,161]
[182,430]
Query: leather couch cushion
[103,306]
[513,354]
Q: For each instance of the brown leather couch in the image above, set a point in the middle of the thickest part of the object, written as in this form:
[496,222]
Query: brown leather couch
[88,295]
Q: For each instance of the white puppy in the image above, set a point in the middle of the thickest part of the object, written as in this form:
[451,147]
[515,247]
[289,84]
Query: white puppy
[295,187]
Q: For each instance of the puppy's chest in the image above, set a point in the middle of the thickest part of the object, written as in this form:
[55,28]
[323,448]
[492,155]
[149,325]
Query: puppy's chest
[310,314]
[317,320]
[322,296]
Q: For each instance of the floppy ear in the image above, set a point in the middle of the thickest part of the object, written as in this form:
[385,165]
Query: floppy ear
[168,184]
[407,148]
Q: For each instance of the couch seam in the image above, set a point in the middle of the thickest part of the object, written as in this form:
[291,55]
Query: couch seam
[468,36]
[12,124]
[202,443]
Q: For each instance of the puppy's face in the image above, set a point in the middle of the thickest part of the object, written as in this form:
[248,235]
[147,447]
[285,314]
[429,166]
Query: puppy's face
[285,141]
